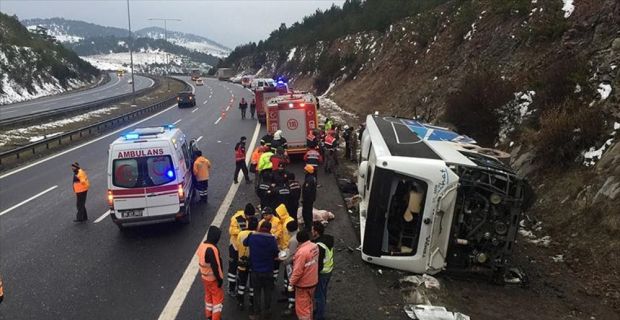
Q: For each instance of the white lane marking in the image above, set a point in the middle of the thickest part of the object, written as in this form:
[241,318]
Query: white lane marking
[195,110]
[206,101]
[171,310]
[177,121]
[199,138]
[83,145]
[218,120]
[227,108]
[107,213]
[29,199]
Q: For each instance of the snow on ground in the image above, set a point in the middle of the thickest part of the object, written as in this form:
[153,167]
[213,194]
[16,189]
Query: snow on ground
[55,32]
[330,109]
[291,54]
[471,32]
[115,61]
[568,8]
[331,85]
[604,89]
[35,132]
[594,154]
[15,93]
[201,46]
[515,112]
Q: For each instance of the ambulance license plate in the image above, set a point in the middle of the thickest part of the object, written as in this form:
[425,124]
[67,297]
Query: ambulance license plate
[132,213]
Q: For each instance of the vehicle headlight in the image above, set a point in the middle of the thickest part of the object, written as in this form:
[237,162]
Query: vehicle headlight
[495,198]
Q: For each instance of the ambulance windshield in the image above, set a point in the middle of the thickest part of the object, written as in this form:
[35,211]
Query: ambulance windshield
[142,172]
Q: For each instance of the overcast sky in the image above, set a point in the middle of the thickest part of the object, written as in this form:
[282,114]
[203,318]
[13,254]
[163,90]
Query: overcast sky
[229,22]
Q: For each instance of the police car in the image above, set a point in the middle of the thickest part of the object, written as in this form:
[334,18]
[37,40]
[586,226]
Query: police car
[150,177]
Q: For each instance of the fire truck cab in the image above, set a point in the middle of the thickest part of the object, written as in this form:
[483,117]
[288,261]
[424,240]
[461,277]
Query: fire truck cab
[263,95]
[150,177]
[296,115]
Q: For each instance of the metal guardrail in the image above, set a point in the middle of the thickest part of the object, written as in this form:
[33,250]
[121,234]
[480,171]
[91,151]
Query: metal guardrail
[21,120]
[96,128]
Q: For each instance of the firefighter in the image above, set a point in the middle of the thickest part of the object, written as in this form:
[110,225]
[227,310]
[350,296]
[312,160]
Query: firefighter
[325,244]
[263,251]
[80,187]
[243,264]
[276,231]
[312,139]
[240,161]
[330,151]
[292,204]
[266,140]
[211,274]
[252,108]
[278,141]
[280,158]
[308,195]
[243,106]
[348,136]
[313,157]
[238,223]
[201,169]
[305,275]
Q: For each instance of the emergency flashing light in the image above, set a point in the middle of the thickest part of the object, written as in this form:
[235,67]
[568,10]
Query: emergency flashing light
[302,104]
[290,105]
[170,126]
[170,174]
[132,135]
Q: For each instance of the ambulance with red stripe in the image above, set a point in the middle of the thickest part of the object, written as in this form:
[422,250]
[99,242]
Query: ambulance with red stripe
[296,115]
[150,177]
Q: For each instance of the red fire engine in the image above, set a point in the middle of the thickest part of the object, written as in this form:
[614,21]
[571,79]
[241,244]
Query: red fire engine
[296,115]
[263,95]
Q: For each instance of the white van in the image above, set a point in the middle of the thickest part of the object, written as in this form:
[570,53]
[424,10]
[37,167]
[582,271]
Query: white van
[150,177]
[261,83]
[431,200]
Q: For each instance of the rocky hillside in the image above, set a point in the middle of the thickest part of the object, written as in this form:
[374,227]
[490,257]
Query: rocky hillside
[32,66]
[538,79]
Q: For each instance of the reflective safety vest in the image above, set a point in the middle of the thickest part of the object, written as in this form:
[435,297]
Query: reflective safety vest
[256,155]
[264,162]
[329,141]
[313,157]
[206,270]
[82,184]
[328,261]
[201,168]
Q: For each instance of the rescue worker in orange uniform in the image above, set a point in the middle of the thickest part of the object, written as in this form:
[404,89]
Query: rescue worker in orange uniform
[201,169]
[80,187]
[305,275]
[211,274]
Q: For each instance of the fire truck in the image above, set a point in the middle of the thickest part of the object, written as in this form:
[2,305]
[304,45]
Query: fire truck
[296,115]
[263,95]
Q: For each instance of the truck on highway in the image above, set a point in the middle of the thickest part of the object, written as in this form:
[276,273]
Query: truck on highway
[432,199]
[296,115]
[195,74]
[150,177]
[224,74]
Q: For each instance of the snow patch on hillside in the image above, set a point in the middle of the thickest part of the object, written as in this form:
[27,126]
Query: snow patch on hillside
[121,60]
[57,33]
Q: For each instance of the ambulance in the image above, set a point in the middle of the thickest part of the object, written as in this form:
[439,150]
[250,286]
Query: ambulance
[296,115]
[150,177]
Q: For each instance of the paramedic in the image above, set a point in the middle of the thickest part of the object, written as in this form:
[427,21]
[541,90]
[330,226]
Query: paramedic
[240,161]
[325,244]
[201,169]
[80,187]
[308,196]
[305,275]
[211,273]
[238,223]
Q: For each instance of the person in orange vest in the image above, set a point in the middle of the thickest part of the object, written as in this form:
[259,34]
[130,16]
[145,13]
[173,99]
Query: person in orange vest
[305,275]
[80,187]
[210,264]
[240,161]
[201,169]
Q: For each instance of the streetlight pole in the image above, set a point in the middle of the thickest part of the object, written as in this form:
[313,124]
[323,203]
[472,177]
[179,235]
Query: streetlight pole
[133,83]
[165,20]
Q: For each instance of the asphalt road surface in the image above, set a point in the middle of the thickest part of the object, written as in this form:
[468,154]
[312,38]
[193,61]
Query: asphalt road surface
[116,86]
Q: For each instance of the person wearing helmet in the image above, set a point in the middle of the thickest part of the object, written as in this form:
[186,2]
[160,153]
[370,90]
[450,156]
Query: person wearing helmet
[278,141]
[308,196]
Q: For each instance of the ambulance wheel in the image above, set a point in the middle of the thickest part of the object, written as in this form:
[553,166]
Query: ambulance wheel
[187,218]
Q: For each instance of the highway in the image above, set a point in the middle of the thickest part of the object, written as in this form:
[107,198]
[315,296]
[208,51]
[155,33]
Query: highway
[56,269]
[116,86]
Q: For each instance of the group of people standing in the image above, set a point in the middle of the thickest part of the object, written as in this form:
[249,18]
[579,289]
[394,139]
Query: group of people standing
[243,106]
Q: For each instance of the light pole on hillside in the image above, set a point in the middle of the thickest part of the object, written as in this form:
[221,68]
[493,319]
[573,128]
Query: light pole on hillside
[133,83]
[165,20]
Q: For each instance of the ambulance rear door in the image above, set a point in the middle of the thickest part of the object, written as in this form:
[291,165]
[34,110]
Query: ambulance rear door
[162,192]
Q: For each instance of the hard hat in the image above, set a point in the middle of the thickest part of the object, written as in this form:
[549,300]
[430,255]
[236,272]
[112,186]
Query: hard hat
[309,169]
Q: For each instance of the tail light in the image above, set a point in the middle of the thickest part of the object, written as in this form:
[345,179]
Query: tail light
[110,199]
[190,97]
[181,192]
[178,99]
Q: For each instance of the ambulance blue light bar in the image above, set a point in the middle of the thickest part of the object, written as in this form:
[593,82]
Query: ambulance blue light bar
[132,136]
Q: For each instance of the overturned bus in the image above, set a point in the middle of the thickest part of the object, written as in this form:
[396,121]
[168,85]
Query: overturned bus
[432,199]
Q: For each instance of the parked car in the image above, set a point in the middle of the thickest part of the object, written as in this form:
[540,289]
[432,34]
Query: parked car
[186,99]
